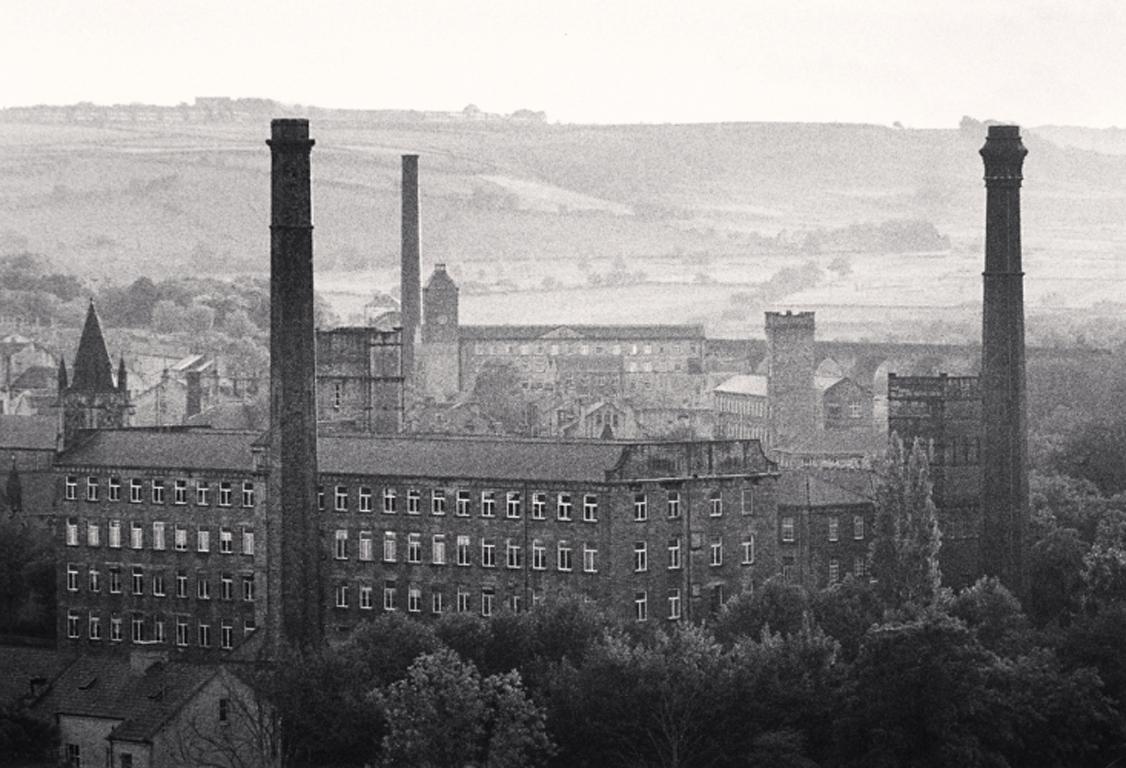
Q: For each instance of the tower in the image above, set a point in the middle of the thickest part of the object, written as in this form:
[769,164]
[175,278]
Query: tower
[791,366]
[295,607]
[1004,454]
[410,268]
[91,400]
[439,352]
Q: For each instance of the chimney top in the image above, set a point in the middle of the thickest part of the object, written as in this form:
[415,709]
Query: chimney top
[1004,131]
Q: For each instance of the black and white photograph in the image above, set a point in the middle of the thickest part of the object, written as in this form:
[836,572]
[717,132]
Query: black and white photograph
[550,384]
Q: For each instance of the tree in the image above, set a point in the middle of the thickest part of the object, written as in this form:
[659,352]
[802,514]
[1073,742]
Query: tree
[497,391]
[904,554]
[250,736]
[774,607]
[445,715]
[994,614]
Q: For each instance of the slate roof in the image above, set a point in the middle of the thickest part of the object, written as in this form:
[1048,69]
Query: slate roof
[19,666]
[172,447]
[93,371]
[823,488]
[244,417]
[472,458]
[37,377]
[744,384]
[28,433]
[595,332]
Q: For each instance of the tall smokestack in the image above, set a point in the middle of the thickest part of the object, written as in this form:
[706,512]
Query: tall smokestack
[1004,455]
[294,587]
[410,270]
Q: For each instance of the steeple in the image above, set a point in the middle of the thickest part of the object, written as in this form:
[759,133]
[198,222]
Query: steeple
[93,371]
[122,377]
[62,376]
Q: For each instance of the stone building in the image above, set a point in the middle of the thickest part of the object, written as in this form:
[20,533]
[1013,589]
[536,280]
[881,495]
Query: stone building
[92,399]
[359,380]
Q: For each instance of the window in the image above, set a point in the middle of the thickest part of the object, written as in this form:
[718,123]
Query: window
[640,606]
[340,499]
[414,501]
[181,538]
[717,553]
[137,628]
[136,536]
[91,489]
[389,596]
[590,508]
[539,506]
[158,630]
[157,491]
[512,505]
[834,571]
[859,566]
[834,528]
[564,507]
[181,631]
[487,595]
[340,549]
[538,555]
[787,529]
[248,587]
[158,535]
[71,577]
[589,555]
[135,491]
[365,499]
[341,595]
[203,540]
[94,627]
[640,507]
[224,494]
[202,586]
[389,545]
[437,601]
[180,492]
[414,547]
[674,504]
[158,584]
[437,502]
[73,756]
[640,557]
[563,556]
[71,624]
[463,550]
[115,579]
[715,504]
[93,535]
[226,541]
[365,597]
[674,554]
[337,395]
[71,489]
[747,501]
[138,580]
[462,599]
[71,532]
[226,642]
[488,554]
[488,503]
[320,498]
[204,635]
[181,584]
[248,494]
[115,635]
[365,546]
[202,493]
[513,554]
[114,534]
[674,604]
[95,580]
[389,501]
[414,599]
[749,551]
[438,549]
[858,527]
[126,760]
[462,508]
[248,541]
[514,603]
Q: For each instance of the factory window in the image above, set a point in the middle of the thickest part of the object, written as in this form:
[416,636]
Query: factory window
[640,557]
[513,554]
[488,503]
[202,587]
[203,540]
[715,504]
[855,411]
[340,499]
[514,603]
[787,529]
[114,533]
[640,606]
[181,584]
[71,532]
[834,571]
[437,601]
[224,494]
[589,555]
[248,588]
[859,566]
[462,508]
[114,489]
[389,547]
[95,580]
[136,536]
[180,492]
[390,596]
[747,501]
[138,580]
[512,505]
[248,541]
[487,596]
[365,597]
[674,604]
[226,642]
[341,595]
[157,492]
[115,635]
[674,504]
[158,584]
[248,494]
[749,551]
[136,631]
[365,546]
[414,501]
[538,555]
[462,599]
[674,554]
[91,489]
[414,547]
[340,550]
[226,587]
[564,556]
[858,527]
[320,498]
[717,552]
[158,630]
[640,507]
[71,489]
[834,528]
[389,500]
[414,599]
[202,493]
[95,627]
[93,535]
[181,631]
[226,540]
[180,536]
[539,505]
[463,550]
[488,554]
[135,491]
[71,577]
[337,394]
[365,499]
[71,624]
[438,549]
[437,502]
[204,635]
[564,507]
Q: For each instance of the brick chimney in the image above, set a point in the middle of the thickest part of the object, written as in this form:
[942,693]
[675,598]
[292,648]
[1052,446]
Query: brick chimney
[294,605]
[1004,450]
[410,270]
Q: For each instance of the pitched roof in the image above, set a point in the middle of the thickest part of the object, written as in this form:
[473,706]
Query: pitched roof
[594,332]
[815,488]
[28,433]
[247,417]
[477,458]
[93,371]
[743,384]
[21,666]
[37,377]
[172,447]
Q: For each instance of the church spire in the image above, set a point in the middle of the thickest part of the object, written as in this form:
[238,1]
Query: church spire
[62,376]
[122,376]
[93,371]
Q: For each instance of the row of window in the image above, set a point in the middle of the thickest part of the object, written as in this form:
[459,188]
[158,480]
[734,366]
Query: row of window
[148,630]
[158,537]
[789,533]
[580,348]
[859,568]
[513,551]
[513,503]
[228,587]
[200,492]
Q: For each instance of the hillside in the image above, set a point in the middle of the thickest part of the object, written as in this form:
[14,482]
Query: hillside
[525,209]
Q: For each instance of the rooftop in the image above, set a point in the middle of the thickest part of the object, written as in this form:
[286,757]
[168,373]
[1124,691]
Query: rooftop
[824,488]
[593,332]
[28,433]
[743,384]
[181,448]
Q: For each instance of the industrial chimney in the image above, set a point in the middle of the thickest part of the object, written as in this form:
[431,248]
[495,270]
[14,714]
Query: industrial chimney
[410,270]
[294,600]
[1004,454]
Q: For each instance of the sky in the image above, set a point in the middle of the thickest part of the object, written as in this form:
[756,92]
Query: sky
[924,64]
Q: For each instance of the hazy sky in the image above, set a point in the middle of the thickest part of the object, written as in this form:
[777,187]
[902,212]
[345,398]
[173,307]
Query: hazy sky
[922,63]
